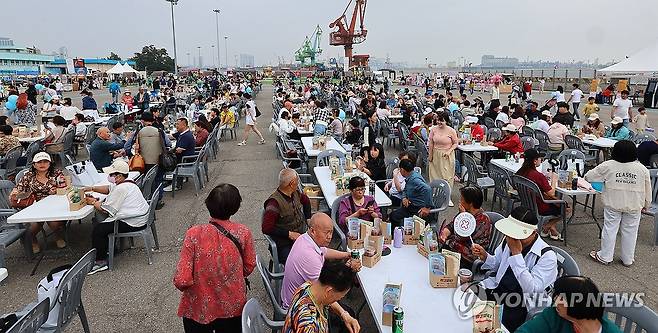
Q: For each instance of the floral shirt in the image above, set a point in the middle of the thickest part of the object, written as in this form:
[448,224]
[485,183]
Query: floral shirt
[29,183]
[211,272]
[304,316]
[8,142]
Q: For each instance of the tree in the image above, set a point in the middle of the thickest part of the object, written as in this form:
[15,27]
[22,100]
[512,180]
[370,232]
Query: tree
[153,59]
[114,56]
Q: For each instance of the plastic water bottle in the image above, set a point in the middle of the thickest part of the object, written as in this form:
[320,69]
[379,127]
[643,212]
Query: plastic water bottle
[397,237]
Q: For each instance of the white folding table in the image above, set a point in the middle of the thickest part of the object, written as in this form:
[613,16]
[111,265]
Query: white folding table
[601,142]
[511,165]
[476,147]
[331,144]
[3,273]
[323,175]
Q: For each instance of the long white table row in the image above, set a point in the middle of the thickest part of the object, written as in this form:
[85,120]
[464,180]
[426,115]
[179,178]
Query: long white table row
[323,175]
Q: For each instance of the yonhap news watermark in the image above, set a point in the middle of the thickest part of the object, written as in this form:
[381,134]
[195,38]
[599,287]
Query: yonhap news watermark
[465,300]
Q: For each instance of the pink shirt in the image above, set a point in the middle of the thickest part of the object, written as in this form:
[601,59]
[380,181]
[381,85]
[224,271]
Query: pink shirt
[444,138]
[518,122]
[556,133]
[303,264]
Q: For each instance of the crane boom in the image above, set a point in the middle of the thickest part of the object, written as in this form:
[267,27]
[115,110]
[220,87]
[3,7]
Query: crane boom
[346,33]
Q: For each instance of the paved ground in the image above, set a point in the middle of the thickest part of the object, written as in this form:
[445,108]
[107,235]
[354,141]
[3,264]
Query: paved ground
[136,297]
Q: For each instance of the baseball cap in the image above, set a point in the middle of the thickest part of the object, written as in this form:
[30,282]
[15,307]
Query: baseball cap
[616,120]
[546,113]
[472,120]
[532,153]
[509,128]
[41,156]
[118,166]
[593,116]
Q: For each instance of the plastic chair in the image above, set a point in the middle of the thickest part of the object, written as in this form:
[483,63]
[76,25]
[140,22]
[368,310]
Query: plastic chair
[528,142]
[529,193]
[490,123]
[423,152]
[500,123]
[148,234]
[9,161]
[146,185]
[643,137]
[573,155]
[339,243]
[527,131]
[187,169]
[574,142]
[653,210]
[32,149]
[10,233]
[254,320]
[33,319]
[566,265]
[543,140]
[475,176]
[90,135]
[494,133]
[323,157]
[272,282]
[440,197]
[501,188]
[634,313]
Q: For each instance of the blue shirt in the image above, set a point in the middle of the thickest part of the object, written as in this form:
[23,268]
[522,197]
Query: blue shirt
[99,152]
[621,134]
[89,103]
[417,191]
[185,140]
[114,87]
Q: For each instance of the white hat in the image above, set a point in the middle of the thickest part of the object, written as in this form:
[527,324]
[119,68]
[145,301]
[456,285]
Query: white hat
[509,128]
[41,156]
[616,120]
[55,97]
[472,120]
[514,228]
[546,113]
[118,166]
[593,116]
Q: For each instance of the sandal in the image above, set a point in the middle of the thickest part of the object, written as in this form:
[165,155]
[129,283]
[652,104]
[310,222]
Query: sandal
[557,237]
[595,256]
[544,233]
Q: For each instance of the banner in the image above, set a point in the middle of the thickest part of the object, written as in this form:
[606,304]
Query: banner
[69,66]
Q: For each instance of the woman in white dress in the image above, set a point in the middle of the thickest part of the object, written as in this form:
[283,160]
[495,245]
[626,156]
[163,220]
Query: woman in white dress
[250,118]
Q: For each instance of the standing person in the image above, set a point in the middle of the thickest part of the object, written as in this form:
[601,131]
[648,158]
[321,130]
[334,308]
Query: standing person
[214,262]
[31,93]
[641,120]
[150,141]
[443,141]
[115,90]
[621,108]
[558,94]
[26,111]
[626,193]
[59,87]
[370,130]
[250,118]
[142,100]
[88,102]
[576,96]
[495,92]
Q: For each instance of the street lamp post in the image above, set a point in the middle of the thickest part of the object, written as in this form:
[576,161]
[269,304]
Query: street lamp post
[226,50]
[213,57]
[200,63]
[173,32]
[219,61]
[189,62]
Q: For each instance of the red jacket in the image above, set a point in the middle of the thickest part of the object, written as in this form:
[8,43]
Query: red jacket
[510,144]
[211,272]
[477,133]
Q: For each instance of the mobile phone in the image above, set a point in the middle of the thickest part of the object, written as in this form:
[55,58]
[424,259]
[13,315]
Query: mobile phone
[369,204]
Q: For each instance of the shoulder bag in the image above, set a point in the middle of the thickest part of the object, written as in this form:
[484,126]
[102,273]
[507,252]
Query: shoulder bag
[136,162]
[21,199]
[167,160]
[237,244]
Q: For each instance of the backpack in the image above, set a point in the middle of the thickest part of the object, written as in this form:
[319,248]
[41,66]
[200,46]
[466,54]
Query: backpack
[257,112]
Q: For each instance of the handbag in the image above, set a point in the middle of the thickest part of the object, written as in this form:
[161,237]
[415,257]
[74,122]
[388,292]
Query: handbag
[22,199]
[237,244]
[257,112]
[167,160]
[136,162]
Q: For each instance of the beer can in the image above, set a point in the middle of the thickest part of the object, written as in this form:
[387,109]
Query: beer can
[372,187]
[355,254]
[398,320]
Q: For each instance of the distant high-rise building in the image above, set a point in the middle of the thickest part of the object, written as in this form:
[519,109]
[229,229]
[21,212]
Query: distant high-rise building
[246,60]
[490,61]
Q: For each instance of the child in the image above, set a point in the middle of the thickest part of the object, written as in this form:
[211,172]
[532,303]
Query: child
[641,120]
[590,107]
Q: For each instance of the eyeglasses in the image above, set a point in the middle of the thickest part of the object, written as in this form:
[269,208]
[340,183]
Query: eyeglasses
[361,189]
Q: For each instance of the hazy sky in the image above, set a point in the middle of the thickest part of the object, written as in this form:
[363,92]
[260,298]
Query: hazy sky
[410,30]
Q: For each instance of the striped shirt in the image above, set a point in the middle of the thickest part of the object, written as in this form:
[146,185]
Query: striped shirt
[304,316]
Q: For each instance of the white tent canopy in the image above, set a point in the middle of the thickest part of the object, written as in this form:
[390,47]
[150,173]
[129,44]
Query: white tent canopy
[644,61]
[128,69]
[117,69]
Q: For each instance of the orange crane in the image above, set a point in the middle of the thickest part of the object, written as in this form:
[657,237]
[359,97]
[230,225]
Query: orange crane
[347,35]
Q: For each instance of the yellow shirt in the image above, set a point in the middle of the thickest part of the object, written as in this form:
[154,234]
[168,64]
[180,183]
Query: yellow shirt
[227,117]
[590,108]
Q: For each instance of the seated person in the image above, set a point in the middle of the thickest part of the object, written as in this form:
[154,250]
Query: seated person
[185,142]
[214,117]
[477,132]
[424,130]
[416,197]
[124,203]
[617,130]
[556,134]
[532,160]
[544,121]
[7,140]
[395,187]
[471,201]
[226,118]
[41,180]
[353,136]
[575,309]
[79,127]
[645,150]
[594,126]
[56,134]
[336,125]
[375,164]
[128,100]
[307,257]
[102,152]
[524,265]
[357,204]
[286,212]
[310,305]
[200,133]
[563,115]
[117,134]
[510,142]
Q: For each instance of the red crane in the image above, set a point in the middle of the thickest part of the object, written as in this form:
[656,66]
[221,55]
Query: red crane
[347,35]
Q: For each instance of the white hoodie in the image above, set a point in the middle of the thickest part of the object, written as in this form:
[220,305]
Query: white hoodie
[627,185]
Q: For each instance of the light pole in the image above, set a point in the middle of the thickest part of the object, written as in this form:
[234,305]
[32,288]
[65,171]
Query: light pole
[173,32]
[213,56]
[200,63]
[226,50]
[219,61]
[189,62]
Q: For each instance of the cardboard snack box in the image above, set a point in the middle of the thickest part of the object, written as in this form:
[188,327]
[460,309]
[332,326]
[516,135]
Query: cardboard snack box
[76,199]
[391,296]
[444,269]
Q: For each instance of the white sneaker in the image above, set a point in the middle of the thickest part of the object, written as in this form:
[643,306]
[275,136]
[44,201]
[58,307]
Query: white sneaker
[450,204]
[98,268]
[168,188]
[242,143]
